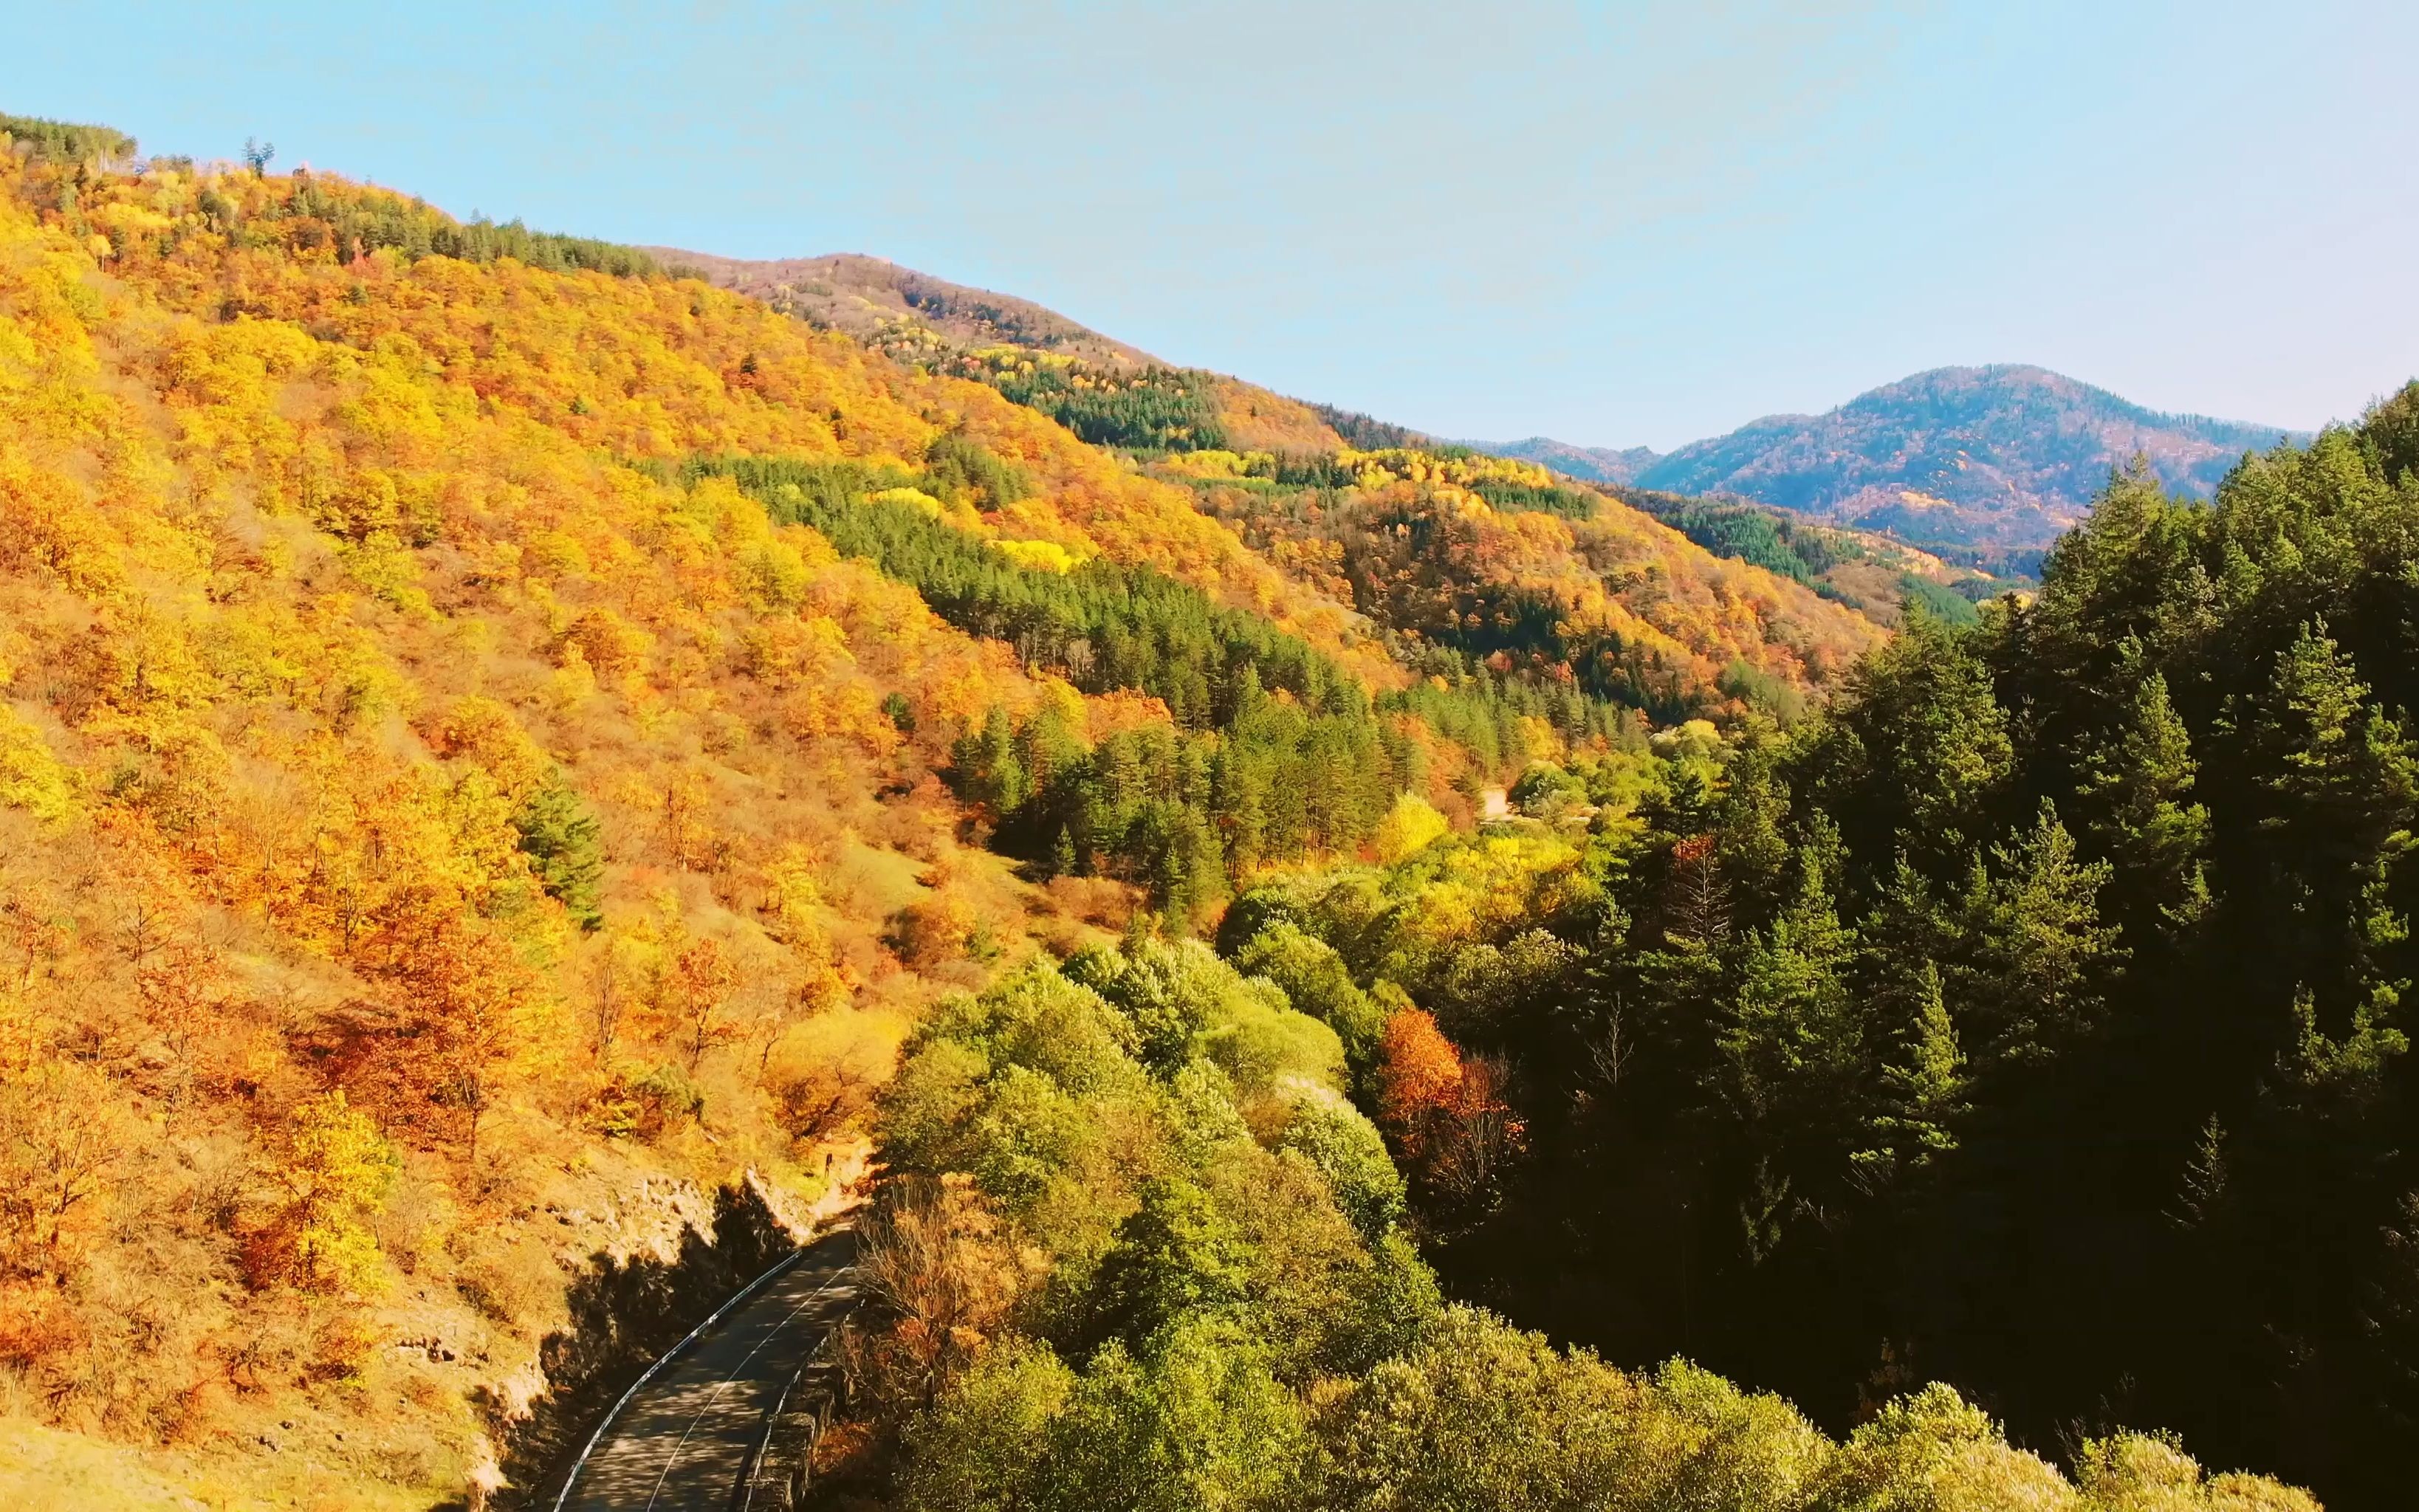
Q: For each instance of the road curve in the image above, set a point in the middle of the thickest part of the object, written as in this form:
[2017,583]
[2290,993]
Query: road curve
[681,1441]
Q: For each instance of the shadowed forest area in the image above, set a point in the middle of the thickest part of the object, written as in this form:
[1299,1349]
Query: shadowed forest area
[2029,1019]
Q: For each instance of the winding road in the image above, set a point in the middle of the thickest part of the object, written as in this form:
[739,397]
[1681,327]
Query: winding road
[690,1430]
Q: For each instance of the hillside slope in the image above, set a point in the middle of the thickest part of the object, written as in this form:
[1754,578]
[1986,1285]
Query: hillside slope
[1494,563]
[437,854]
[862,296]
[1604,598]
[1101,388]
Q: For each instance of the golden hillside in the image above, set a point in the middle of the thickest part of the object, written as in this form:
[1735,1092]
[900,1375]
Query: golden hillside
[421,826]
[444,833]
[1478,529]
[1502,561]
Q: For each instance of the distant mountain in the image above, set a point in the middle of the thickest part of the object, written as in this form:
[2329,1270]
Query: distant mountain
[2002,455]
[1596,464]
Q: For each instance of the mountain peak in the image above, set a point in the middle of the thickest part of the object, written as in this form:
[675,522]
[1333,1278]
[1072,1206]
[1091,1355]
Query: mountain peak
[2007,453]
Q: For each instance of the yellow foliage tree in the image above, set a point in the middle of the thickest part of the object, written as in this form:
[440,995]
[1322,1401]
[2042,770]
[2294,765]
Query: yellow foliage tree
[1410,828]
[31,777]
[61,1136]
[331,1176]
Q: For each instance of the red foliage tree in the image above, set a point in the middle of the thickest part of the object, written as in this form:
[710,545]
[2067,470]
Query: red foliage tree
[1447,1114]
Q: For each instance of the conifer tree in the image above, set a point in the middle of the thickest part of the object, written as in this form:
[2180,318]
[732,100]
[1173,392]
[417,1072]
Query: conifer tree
[561,836]
[1923,1092]
[2336,775]
[1918,752]
[1794,1059]
[2040,954]
[2140,789]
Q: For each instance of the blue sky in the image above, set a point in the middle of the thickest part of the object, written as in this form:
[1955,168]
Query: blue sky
[1614,224]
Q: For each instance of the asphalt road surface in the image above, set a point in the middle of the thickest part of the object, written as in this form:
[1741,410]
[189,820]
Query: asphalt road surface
[682,1444]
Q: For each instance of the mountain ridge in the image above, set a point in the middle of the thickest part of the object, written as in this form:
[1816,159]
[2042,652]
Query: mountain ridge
[2004,454]
[1595,464]
[858,294]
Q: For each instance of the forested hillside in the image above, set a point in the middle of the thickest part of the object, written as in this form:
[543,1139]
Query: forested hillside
[1104,390]
[1877,575]
[509,752]
[2032,1018]
[1475,559]
[438,849]
[1140,1250]
[1313,488]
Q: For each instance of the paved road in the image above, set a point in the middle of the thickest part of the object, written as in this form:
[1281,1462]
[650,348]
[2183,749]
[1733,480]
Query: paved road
[683,1442]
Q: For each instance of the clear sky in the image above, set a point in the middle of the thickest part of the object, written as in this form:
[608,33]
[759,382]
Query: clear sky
[1614,225]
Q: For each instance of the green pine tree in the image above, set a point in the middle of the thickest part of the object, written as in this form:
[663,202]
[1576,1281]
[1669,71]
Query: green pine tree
[2041,957]
[1923,1093]
[560,835]
[2139,790]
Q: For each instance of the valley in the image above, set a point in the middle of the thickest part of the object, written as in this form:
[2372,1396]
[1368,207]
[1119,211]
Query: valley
[1324,968]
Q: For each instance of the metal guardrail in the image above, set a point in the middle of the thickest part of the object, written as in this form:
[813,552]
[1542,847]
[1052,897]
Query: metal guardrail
[783,1464]
[572,1479]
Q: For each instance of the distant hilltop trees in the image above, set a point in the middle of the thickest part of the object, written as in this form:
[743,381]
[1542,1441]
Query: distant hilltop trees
[64,141]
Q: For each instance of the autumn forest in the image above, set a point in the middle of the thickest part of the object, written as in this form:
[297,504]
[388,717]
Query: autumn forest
[1328,969]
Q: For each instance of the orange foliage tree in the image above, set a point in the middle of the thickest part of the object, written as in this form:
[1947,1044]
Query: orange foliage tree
[1447,1113]
[1419,1076]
